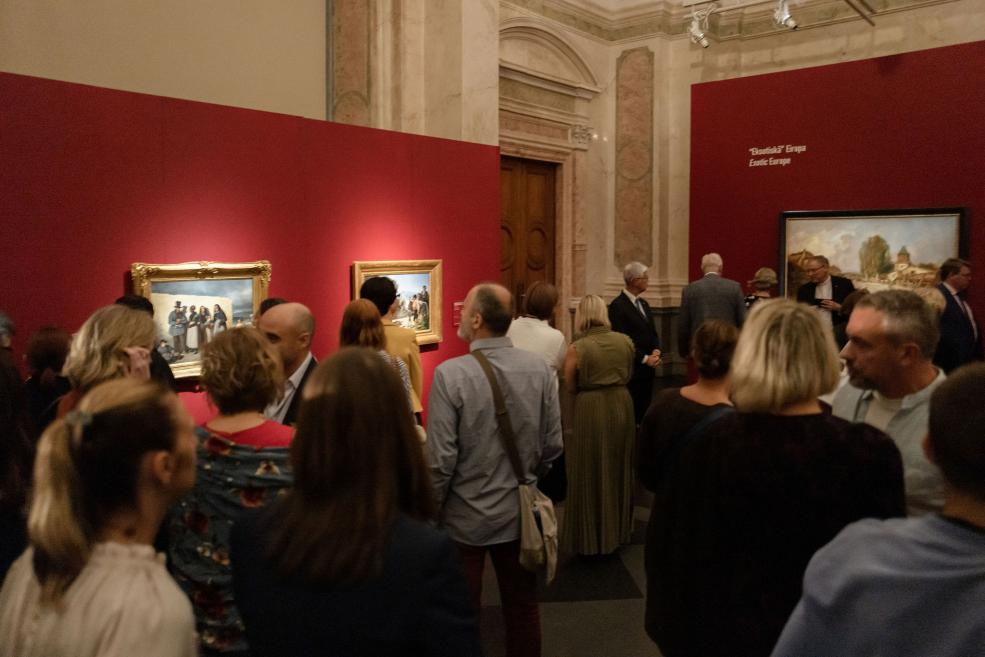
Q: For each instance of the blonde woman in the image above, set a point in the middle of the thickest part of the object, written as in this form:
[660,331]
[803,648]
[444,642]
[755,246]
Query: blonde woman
[90,584]
[597,366]
[114,342]
[761,490]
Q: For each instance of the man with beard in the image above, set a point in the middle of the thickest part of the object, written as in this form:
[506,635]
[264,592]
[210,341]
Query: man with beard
[892,336]
[475,485]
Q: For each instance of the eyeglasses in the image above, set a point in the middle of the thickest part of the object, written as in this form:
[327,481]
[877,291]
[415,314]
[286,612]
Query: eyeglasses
[811,271]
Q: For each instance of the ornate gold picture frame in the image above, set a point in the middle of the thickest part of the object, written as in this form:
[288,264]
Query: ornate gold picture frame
[418,292]
[195,300]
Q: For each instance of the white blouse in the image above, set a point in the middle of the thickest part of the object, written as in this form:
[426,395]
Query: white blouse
[123,603]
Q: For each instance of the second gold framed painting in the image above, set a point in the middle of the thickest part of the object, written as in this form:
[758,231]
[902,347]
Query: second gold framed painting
[418,292]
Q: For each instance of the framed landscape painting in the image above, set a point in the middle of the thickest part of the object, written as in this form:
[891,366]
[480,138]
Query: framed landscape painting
[194,301]
[418,292]
[876,249]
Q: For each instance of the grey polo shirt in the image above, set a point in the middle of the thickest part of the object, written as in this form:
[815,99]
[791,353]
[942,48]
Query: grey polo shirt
[474,483]
[923,480]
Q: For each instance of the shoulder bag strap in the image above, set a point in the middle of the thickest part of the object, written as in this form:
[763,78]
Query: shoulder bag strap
[502,417]
[698,428]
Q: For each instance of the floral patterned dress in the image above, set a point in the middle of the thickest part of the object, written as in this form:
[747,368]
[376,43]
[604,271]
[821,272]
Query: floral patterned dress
[232,478]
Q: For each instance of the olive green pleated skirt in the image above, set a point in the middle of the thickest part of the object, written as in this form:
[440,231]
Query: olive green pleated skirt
[598,511]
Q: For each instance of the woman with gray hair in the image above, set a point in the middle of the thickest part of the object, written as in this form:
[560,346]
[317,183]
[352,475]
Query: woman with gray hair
[762,489]
[597,367]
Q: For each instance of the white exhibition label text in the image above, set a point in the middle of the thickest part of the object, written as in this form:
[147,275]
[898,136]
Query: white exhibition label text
[775,156]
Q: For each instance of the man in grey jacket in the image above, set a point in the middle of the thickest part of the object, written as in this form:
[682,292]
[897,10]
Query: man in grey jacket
[709,297]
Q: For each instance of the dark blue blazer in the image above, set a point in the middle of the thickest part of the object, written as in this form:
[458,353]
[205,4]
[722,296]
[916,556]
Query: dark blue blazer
[958,344]
[418,607]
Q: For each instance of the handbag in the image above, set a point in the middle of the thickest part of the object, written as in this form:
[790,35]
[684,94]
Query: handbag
[538,520]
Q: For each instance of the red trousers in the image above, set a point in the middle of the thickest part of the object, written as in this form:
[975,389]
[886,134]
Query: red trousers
[517,590]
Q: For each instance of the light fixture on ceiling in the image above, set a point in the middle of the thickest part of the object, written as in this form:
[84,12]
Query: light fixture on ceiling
[782,17]
[699,25]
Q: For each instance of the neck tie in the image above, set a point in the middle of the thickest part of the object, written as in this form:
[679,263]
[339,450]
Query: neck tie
[639,305]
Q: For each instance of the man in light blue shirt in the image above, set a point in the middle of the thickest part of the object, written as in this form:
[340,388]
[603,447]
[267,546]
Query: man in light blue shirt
[474,482]
[892,336]
[908,587]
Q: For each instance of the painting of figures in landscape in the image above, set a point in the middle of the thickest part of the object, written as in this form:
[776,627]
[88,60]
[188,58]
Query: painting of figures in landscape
[877,250]
[195,301]
[189,314]
[418,292]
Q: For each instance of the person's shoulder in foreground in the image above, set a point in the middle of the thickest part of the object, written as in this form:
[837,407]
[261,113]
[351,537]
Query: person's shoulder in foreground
[902,587]
[420,592]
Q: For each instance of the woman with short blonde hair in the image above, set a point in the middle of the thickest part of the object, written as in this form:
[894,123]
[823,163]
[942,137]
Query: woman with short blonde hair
[759,491]
[785,356]
[90,584]
[591,311]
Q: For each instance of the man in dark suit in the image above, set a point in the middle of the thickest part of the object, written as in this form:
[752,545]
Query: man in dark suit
[960,342]
[709,297]
[630,314]
[290,328]
[825,291]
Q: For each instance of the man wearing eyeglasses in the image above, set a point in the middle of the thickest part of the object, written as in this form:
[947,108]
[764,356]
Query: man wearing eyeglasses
[960,341]
[824,291]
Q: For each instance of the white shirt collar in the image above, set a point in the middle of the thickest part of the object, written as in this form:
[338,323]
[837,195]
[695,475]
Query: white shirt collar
[294,380]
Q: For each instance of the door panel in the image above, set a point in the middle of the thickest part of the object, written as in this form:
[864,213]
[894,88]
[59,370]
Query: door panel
[527,224]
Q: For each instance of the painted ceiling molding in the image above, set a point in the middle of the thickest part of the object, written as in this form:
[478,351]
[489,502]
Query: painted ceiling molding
[668,18]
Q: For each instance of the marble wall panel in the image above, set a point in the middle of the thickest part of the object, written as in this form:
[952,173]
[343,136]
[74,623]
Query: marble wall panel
[633,239]
[350,44]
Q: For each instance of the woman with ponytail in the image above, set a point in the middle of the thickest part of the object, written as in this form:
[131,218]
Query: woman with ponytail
[90,582]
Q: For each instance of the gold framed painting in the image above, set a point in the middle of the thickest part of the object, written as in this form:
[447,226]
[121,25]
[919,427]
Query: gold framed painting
[194,301]
[418,292]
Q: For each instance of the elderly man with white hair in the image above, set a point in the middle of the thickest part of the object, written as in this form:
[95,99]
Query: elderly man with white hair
[629,313]
[709,297]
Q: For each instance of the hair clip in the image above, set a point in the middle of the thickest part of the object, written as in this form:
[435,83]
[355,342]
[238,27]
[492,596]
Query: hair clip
[78,419]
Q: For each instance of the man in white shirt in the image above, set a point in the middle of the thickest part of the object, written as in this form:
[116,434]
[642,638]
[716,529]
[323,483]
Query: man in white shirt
[960,341]
[891,339]
[290,328]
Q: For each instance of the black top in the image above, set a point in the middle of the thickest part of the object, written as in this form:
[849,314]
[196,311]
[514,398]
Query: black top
[958,344]
[756,496]
[418,606]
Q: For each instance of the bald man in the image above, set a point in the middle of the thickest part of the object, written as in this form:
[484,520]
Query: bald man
[474,482]
[290,328]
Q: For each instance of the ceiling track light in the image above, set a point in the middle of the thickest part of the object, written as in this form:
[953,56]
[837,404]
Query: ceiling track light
[699,25]
[782,17]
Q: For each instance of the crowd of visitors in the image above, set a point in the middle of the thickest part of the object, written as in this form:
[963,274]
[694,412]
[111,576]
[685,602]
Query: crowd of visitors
[291,507]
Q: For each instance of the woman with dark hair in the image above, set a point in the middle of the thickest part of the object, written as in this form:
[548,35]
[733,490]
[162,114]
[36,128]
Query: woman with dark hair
[676,416]
[16,455]
[219,320]
[90,584]
[362,326]
[346,563]
[243,464]
[46,351]
[533,332]
[758,492]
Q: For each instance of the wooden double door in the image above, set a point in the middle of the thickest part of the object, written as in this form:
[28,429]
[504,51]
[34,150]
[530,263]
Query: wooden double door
[527,218]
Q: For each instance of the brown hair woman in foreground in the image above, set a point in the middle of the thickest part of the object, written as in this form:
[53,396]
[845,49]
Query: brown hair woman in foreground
[346,563]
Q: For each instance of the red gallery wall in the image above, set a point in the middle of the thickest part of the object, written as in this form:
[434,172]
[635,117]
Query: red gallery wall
[92,180]
[906,131]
